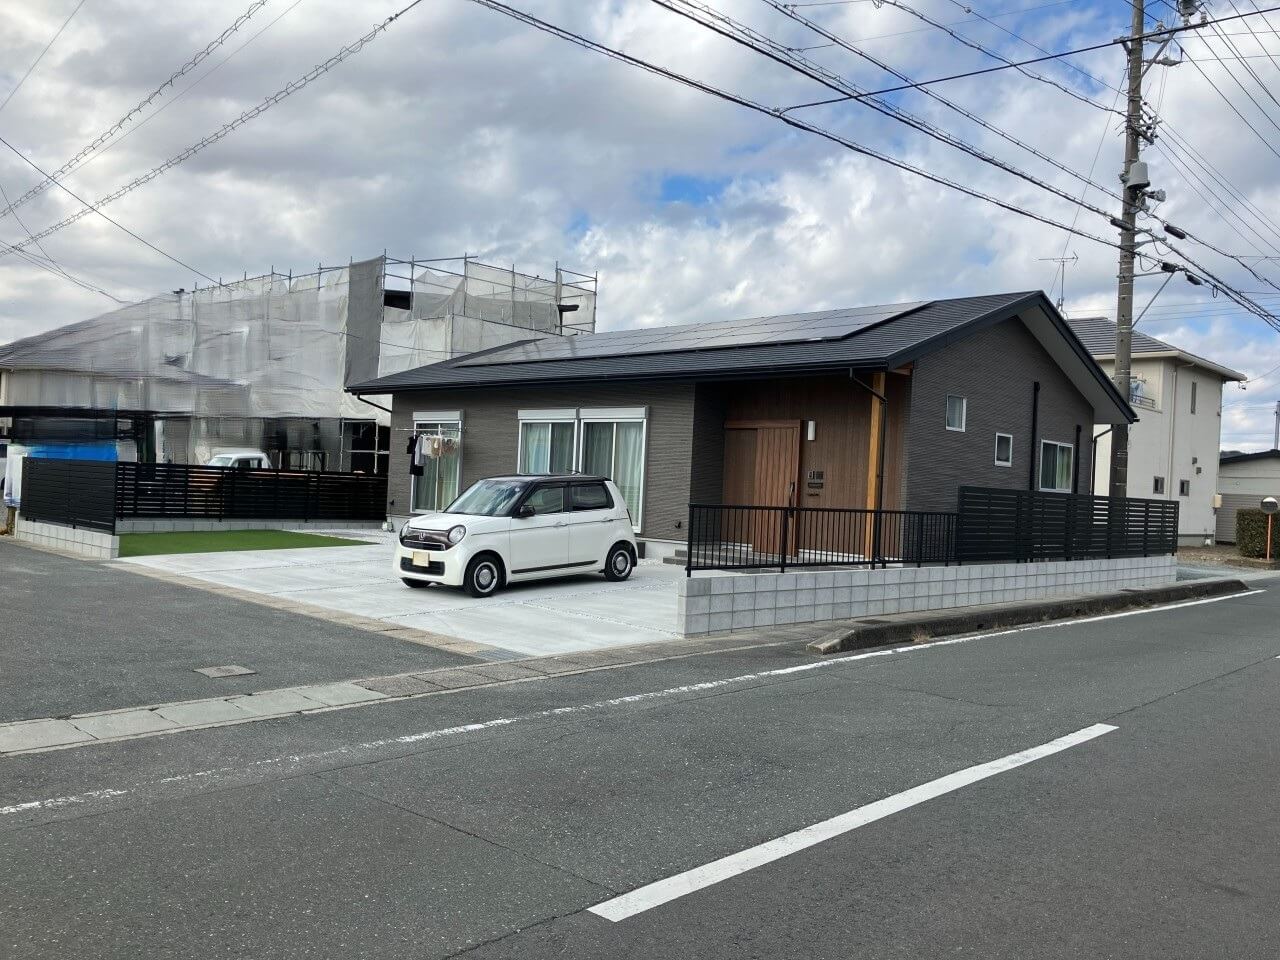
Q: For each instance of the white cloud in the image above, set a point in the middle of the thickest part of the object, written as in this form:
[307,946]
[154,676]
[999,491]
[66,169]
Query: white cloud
[460,130]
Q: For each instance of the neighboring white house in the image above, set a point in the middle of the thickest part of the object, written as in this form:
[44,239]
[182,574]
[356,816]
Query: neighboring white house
[1174,446]
[1243,480]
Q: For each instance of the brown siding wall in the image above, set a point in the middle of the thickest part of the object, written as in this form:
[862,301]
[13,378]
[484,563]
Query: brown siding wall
[995,369]
[490,428]
[841,447]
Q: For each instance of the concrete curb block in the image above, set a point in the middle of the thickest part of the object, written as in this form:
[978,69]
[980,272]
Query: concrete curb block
[917,628]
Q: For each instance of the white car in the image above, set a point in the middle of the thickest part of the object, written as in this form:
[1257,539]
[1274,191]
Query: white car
[508,529]
[241,460]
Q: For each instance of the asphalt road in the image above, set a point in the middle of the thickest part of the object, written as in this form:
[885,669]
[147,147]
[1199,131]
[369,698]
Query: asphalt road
[80,636]
[488,822]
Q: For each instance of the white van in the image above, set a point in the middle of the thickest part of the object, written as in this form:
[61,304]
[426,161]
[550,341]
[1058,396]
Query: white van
[240,460]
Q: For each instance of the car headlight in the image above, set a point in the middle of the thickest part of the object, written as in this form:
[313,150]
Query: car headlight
[404,528]
[457,533]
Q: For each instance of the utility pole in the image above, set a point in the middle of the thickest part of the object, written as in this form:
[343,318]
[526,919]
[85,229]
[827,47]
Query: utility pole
[1128,221]
[1275,444]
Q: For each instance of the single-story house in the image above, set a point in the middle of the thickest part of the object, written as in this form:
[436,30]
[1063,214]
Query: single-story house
[894,405]
[1244,479]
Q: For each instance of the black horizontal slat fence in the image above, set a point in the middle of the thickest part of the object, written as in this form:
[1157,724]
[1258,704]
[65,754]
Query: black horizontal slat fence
[1023,525]
[73,493]
[171,490]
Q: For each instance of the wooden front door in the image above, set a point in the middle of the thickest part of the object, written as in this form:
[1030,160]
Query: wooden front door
[761,469]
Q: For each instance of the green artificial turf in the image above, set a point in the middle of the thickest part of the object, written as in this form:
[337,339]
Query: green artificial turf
[217,541]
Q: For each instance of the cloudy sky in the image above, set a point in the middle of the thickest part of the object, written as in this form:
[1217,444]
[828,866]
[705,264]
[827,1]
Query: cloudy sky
[459,130]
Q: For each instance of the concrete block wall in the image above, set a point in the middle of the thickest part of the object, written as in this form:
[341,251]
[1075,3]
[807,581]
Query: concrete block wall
[724,602]
[91,544]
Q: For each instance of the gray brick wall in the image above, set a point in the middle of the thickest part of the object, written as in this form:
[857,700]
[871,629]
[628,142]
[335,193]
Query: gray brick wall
[490,428]
[995,369]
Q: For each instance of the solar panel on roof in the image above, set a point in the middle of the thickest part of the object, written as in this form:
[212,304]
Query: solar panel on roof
[784,328]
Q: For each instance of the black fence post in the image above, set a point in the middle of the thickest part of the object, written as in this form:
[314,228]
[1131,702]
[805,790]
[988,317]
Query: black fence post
[919,539]
[1146,522]
[688,545]
[785,545]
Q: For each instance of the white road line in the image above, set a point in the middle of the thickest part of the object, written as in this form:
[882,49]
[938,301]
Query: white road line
[682,884]
[411,738]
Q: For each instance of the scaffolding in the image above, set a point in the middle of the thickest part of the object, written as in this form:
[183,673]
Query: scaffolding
[242,362]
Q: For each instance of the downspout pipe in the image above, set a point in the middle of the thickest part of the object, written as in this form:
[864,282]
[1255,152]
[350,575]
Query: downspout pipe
[1075,463]
[1093,458]
[372,404]
[1035,427]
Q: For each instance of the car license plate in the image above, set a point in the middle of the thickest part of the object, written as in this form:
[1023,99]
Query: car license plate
[423,558]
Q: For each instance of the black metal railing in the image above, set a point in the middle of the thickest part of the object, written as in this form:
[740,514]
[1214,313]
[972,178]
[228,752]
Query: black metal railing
[727,537]
[1024,525]
[172,490]
[990,525]
[73,493]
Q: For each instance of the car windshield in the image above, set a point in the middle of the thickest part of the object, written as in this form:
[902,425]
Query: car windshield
[488,498]
[221,462]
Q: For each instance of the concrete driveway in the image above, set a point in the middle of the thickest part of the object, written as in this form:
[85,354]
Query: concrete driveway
[535,619]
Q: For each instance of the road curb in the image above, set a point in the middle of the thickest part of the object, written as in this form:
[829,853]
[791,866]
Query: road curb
[917,628]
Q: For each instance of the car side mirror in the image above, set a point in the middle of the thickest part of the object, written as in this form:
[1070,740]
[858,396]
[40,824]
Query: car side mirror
[525,511]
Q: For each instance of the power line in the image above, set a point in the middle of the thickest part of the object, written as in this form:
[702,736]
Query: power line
[40,56]
[955,23]
[974,45]
[734,30]
[228,128]
[777,113]
[191,86]
[748,37]
[787,10]
[89,209]
[146,101]
[579,40]
[58,272]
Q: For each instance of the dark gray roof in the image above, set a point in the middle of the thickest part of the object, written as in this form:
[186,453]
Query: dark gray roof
[751,331]
[891,337]
[1098,334]
[867,345]
[1232,456]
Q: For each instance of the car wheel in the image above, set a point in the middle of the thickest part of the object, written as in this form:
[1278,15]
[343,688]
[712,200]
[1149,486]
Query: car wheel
[416,584]
[484,576]
[619,564]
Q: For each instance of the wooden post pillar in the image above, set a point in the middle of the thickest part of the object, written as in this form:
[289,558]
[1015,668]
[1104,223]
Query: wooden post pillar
[875,467]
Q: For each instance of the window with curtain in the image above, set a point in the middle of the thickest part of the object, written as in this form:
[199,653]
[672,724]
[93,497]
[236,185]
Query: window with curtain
[546,446]
[1055,466]
[438,485]
[615,449]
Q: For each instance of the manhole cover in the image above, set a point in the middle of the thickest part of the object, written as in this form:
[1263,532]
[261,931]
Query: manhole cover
[231,670]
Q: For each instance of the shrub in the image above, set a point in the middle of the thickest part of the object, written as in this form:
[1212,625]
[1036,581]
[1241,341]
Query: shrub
[1251,534]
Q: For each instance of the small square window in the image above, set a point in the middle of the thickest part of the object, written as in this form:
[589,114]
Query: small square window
[1004,450]
[1184,488]
[957,410]
[1157,485]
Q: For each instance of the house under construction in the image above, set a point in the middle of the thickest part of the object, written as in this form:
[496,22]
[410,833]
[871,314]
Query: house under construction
[263,362]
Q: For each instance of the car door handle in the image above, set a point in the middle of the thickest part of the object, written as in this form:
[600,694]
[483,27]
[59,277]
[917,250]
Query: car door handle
[562,523]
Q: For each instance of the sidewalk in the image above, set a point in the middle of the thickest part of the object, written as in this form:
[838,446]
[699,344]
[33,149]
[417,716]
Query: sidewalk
[106,726]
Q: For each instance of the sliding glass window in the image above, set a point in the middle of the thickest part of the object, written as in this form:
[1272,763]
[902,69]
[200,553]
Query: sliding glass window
[546,446]
[615,449]
[441,461]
